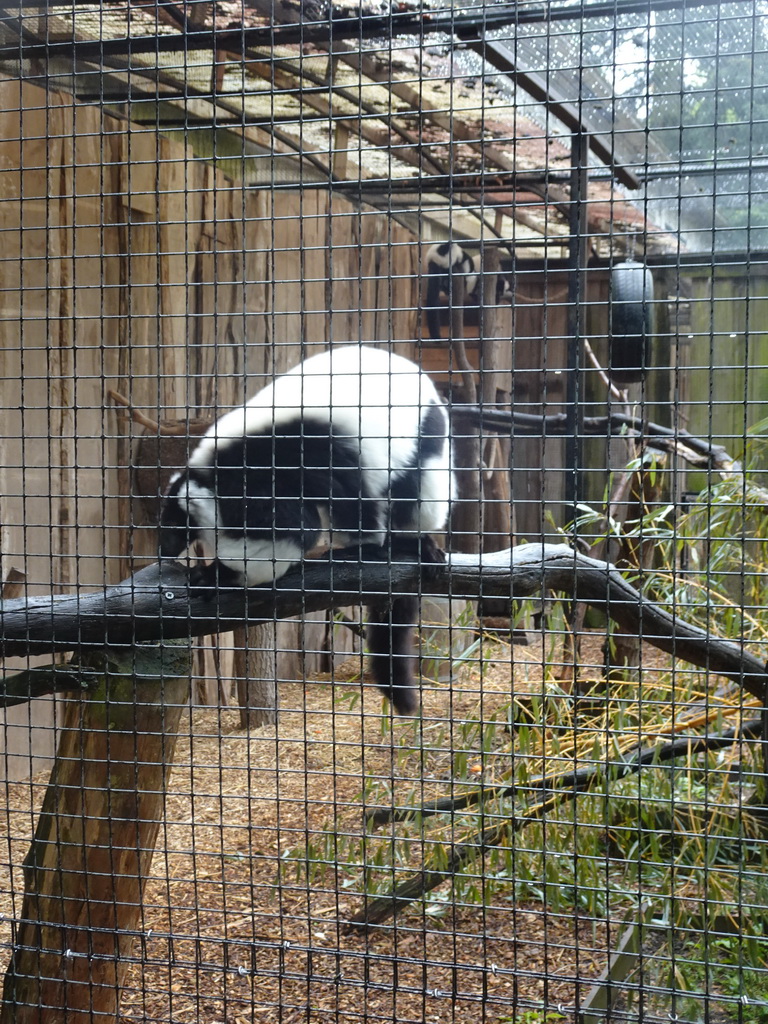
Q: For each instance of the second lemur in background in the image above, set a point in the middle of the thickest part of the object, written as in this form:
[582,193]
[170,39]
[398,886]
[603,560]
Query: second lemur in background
[353,441]
[445,262]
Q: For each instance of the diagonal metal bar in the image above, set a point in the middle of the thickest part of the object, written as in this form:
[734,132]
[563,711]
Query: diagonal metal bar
[537,86]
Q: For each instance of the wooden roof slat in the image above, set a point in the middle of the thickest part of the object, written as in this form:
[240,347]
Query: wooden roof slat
[356,124]
[275,72]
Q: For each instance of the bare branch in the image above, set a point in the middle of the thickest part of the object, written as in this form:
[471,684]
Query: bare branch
[693,449]
[619,394]
[135,414]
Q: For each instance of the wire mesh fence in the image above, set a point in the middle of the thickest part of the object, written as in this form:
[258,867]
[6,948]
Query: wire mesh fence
[434,341]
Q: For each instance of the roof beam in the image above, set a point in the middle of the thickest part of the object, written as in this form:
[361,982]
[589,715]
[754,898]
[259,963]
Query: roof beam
[537,86]
[281,73]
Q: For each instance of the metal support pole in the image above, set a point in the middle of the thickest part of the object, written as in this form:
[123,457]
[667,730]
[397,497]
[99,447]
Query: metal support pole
[578,254]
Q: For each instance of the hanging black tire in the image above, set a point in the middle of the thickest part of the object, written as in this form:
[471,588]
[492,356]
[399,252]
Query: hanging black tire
[631,323]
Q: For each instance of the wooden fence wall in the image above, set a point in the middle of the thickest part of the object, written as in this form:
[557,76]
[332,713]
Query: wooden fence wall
[722,356]
[127,265]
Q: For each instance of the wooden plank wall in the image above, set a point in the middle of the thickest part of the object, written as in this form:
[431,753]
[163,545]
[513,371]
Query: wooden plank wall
[127,265]
[723,357]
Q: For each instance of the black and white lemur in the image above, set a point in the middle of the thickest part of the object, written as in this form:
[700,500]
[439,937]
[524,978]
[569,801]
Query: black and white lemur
[445,262]
[353,441]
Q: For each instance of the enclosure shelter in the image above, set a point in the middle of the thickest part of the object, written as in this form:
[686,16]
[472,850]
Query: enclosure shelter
[556,213]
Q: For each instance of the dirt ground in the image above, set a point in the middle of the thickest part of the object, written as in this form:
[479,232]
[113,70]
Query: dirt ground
[226,943]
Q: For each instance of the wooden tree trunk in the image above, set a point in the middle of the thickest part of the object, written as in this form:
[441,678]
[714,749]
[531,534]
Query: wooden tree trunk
[465,522]
[254,670]
[89,860]
[490,358]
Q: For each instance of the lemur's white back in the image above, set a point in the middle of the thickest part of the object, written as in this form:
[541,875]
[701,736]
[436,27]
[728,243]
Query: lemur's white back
[362,391]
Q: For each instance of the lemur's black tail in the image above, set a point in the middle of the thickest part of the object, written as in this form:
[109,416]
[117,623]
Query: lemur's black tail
[390,643]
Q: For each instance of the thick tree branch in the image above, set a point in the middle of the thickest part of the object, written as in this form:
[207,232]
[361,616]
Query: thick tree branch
[156,604]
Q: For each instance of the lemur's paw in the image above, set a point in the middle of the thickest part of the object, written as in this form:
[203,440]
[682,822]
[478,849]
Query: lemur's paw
[431,553]
[202,583]
[422,550]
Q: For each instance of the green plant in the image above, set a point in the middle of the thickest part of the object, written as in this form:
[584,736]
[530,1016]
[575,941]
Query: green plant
[728,970]
[532,1017]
